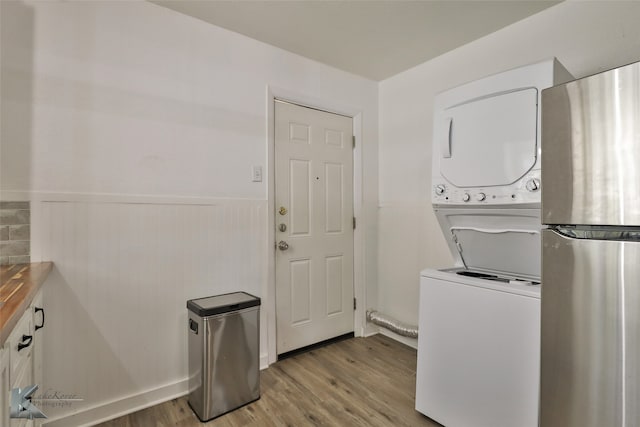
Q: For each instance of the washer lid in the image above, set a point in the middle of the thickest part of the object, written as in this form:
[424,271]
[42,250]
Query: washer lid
[510,251]
[503,241]
[488,141]
[225,303]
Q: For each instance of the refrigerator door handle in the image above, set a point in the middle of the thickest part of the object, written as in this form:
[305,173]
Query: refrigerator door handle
[611,233]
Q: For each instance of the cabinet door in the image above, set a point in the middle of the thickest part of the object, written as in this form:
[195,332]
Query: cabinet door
[37,307]
[5,393]
[23,379]
[20,343]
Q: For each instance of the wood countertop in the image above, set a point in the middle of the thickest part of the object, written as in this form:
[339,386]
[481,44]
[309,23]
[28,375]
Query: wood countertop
[19,283]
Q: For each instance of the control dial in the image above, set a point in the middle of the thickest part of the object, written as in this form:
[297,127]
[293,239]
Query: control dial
[440,189]
[533,184]
[480,197]
[466,197]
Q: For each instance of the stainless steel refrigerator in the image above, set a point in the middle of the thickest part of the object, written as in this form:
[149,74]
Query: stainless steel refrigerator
[590,361]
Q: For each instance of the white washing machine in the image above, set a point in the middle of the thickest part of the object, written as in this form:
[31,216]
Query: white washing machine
[479,331]
[479,326]
[478,351]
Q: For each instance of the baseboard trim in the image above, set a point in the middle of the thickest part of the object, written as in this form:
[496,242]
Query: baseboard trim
[123,406]
[127,405]
[264,361]
[370,330]
[411,342]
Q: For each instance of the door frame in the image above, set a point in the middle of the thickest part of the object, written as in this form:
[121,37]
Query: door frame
[269,304]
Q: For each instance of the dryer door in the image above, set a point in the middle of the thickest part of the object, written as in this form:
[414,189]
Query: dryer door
[488,141]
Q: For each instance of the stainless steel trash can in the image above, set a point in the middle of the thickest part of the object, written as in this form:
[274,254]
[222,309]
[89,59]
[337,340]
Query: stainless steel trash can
[224,371]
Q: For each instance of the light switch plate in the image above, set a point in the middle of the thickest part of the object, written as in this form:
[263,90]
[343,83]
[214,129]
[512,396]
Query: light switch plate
[256,173]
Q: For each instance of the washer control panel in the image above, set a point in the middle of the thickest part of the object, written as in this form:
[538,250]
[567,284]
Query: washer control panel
[526,190]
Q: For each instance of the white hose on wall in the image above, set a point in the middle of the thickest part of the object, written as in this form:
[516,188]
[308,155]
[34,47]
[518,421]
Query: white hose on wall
[392,324]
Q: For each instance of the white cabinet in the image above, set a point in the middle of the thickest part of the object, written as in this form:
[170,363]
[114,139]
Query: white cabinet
[21,360]
[37,310]
[5,392]
[23,379]
[20,344]
[20,347]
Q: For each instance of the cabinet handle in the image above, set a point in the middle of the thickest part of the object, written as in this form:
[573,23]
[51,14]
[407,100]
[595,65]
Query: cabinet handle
[41,325]
[28,339]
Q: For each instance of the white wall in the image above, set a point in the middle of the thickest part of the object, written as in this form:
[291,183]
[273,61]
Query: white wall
[133,98]
[133,130]
[587,37]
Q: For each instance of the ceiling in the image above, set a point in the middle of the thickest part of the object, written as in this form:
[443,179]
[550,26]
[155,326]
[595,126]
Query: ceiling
[374,39]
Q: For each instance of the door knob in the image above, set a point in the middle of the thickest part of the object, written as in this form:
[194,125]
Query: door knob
[282,245]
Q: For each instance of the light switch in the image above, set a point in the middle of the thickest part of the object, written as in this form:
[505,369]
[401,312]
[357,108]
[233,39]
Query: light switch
[257,173]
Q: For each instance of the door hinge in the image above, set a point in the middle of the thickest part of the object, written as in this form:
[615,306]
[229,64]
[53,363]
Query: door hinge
[354,141]
[354,222]
[354,304]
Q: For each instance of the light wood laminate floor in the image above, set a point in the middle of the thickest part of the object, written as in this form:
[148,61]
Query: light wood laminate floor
[355,382]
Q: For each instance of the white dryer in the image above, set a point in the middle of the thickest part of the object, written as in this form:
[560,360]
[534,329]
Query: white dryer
[479,326]
[486,138]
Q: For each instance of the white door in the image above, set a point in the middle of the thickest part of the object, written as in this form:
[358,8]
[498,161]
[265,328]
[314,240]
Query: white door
[314,225]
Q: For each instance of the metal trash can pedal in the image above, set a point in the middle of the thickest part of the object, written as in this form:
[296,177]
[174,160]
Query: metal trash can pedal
[224,342]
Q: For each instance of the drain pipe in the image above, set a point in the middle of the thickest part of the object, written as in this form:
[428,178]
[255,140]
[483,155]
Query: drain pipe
[392,324]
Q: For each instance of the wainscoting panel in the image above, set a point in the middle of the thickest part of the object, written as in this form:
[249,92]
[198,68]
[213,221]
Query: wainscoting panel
[116,301]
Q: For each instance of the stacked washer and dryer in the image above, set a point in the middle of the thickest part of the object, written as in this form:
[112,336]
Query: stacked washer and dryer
[479,342]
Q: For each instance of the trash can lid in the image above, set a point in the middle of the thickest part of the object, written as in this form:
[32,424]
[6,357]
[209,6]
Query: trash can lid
[224,303]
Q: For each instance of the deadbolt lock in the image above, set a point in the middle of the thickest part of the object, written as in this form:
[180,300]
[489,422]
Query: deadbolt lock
[282,227]
[282,211]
